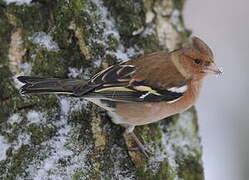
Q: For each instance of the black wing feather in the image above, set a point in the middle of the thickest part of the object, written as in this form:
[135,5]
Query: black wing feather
[113,84]
[109,77]
[135,96]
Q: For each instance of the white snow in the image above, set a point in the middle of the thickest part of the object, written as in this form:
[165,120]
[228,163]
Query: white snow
[74,72]
[41,170]
[62,146]
[23,139]
[109,28]
[181,137]
[26,67]
[65,106]
[51,163]
[45,40]
[15,118]
[175,19]
[72,104]
[177,139]
[18,2]
[4,146]
[35,117]
[149,16]
[33,56]
[117,154]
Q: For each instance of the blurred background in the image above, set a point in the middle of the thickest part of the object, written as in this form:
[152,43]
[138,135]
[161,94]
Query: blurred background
[223,107]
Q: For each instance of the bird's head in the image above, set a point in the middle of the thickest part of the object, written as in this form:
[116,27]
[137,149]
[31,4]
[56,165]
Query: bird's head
[196,59]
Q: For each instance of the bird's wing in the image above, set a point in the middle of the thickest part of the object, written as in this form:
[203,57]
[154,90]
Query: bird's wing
[116,76]
[117,83]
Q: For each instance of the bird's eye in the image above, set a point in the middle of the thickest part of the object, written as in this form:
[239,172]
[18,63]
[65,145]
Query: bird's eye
[198,61]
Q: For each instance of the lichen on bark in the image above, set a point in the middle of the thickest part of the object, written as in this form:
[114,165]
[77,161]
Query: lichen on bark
[50,136]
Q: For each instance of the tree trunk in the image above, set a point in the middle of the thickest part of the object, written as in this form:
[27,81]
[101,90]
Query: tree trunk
[60,137]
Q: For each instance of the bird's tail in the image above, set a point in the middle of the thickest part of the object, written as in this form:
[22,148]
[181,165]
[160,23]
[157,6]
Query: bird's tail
[35,85]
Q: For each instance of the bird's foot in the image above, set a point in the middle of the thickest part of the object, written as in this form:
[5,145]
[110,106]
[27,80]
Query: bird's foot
[140,146]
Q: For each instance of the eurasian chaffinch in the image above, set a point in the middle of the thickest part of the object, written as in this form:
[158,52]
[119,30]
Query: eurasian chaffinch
[140,91]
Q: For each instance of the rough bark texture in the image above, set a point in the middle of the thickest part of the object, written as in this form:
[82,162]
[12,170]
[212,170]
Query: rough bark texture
[58,137]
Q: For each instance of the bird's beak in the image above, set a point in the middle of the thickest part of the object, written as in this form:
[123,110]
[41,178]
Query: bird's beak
[213,69]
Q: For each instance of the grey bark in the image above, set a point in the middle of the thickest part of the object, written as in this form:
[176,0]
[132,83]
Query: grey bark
[59,137]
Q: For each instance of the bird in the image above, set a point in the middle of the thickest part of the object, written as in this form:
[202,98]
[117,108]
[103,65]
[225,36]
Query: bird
[139,91]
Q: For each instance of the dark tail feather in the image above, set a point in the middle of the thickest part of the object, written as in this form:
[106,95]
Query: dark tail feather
[36,85]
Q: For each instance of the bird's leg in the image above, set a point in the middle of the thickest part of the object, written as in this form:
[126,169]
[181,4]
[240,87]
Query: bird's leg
[145,151]
[140,145]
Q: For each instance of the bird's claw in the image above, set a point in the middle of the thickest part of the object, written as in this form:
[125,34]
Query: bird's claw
[144,149]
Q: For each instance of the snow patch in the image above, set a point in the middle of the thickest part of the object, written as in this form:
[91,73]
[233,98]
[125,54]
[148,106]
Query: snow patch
[149,16]
[15,118]
[45,40]
[23,139]
[60,148]
[180,139]
[74,72]
[65,106]
[118,154]
[35,117]
[175,19]
[110,30]
[183,126]
[70,104]
[4,146]
[26,67]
